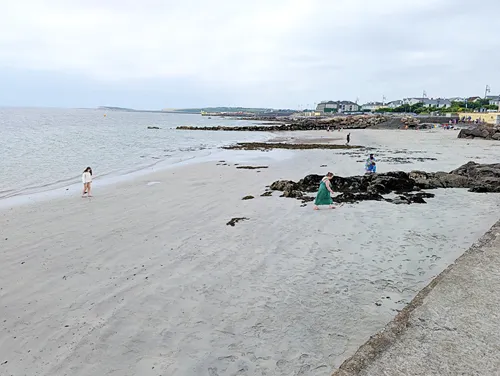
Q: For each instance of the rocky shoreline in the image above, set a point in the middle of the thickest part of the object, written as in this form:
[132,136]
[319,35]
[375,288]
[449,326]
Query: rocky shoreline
[484,132]
[308,124]
[407,187]
[283,124]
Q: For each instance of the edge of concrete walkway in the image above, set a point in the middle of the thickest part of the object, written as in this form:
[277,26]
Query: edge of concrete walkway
[384,339]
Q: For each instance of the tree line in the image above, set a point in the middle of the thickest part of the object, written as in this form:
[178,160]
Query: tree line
[418,108]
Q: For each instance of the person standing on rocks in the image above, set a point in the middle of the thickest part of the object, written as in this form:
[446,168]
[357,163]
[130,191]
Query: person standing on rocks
[324,193]
[348,138]
[371,165]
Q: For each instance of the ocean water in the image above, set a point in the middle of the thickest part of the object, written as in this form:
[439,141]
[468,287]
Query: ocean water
[45,149]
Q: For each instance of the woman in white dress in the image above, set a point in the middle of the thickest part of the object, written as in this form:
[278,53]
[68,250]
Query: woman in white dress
[87,182]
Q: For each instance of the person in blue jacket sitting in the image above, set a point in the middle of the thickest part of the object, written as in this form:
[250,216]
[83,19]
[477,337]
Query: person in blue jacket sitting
[371,165]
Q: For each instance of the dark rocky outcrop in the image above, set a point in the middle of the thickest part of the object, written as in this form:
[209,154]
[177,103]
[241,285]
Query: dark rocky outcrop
[251,167]
[473,176]
[282,145]
[413,122]
[308,124]
[411,198]
[483,131]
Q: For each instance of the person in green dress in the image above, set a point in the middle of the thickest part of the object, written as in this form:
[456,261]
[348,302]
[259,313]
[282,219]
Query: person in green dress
[324,193]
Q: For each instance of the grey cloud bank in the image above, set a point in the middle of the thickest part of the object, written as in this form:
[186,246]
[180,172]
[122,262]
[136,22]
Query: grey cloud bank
[283,53]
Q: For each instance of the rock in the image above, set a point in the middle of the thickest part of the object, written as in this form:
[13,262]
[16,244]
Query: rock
[292,194]
[356,197]
[482,131]
[434,180]
[417,198]
[153,127]
[233,221]
[310,183]
[496,136]
[248,197]
[251,167]
[476,177]
[284,185]
[480,177]
[392,181]
[266,194]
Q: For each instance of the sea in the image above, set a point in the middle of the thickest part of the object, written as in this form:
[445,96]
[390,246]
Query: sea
[47,149]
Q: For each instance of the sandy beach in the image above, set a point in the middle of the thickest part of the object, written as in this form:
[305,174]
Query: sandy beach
[147,279]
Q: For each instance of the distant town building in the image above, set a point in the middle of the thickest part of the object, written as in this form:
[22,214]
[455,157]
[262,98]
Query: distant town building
[438,103]
[348,106]
[394,104]
[457,99]
[473,99]
[339,106]
[372,106]
[426,102]
[327,106]
[413,101]
[494,100]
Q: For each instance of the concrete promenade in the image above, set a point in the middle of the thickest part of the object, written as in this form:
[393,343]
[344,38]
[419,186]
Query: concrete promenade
[452,327]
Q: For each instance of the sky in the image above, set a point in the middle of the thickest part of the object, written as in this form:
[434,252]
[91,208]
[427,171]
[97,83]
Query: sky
[154,54]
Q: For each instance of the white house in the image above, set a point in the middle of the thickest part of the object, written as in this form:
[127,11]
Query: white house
[394,104]
[438,103]
[474,99]
[412,101]
[457,99]
[372,106]
[426,102]
[494,100]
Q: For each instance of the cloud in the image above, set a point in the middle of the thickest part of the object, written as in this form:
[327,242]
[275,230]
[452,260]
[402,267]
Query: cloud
[267,53]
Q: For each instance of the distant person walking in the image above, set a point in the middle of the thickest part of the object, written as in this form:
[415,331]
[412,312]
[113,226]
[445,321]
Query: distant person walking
[370,165]
[348,138]
[87,182]
[324,193]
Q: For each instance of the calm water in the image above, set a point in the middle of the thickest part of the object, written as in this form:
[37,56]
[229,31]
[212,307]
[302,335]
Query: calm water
[42,149]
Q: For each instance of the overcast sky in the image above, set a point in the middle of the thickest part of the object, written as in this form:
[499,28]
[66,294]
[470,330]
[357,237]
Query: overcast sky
[260,53]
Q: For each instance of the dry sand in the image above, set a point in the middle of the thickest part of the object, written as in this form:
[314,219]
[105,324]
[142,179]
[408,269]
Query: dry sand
[147,279]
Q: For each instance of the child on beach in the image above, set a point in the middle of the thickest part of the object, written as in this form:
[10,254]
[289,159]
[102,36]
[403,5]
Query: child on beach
[325,189]
[87,182]
[370,165]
